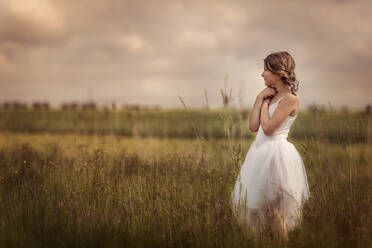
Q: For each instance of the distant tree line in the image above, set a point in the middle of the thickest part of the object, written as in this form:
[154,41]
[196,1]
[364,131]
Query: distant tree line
[90,105]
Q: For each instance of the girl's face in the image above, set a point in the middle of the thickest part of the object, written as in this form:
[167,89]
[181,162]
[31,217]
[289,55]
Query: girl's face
[270,78]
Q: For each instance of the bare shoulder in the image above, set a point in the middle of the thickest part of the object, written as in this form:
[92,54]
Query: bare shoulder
[291,98]
[292,101]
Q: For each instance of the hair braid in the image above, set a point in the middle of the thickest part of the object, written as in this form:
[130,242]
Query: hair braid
[282,64]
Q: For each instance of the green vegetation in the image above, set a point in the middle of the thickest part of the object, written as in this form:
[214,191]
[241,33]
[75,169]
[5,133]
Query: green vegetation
[163,178]
[331,126]
[109,191]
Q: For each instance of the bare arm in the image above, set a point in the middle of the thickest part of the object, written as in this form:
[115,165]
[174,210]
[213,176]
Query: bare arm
[284,108]
[254,118]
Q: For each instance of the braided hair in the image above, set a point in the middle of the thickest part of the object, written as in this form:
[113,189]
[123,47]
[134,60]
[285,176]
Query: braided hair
[282,64]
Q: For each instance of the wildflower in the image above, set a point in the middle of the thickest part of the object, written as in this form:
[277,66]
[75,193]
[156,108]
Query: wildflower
[74,203]
[218,204]
[62,204]
[24,161]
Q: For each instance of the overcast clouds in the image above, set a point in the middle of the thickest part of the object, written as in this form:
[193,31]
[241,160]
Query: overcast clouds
[149,52]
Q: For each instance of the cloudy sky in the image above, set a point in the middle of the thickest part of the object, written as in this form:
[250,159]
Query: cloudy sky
[151,52]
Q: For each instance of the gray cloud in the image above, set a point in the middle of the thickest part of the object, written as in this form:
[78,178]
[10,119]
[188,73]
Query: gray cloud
[150,52]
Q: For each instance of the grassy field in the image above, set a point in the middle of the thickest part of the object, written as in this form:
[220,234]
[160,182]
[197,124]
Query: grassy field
[332,126]
[76,190]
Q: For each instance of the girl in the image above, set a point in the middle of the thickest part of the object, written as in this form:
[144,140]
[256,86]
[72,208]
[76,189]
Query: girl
[272,183]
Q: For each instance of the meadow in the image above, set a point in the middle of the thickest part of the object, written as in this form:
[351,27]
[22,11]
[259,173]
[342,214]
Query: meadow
[332,126]
[164,178]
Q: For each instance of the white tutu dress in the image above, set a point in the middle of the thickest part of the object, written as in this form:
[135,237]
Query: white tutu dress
[272,168]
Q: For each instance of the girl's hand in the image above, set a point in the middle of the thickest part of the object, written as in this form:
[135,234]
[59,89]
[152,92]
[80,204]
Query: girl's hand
[268,92]
[265,102]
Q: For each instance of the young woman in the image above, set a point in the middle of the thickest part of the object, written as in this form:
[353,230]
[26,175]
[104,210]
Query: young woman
[272,185]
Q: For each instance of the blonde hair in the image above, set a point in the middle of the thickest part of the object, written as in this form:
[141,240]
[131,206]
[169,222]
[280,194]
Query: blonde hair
[282,64]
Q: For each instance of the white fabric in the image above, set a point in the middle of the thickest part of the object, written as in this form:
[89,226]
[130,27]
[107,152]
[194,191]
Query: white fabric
[272,167]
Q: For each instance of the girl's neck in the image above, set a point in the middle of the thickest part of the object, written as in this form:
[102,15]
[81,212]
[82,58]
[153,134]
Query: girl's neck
[282,89]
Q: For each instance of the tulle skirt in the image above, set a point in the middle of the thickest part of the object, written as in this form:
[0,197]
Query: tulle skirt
[273,171]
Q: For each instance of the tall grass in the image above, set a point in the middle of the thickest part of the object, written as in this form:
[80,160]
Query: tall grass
[75,190]
[331,126]
[110,179]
